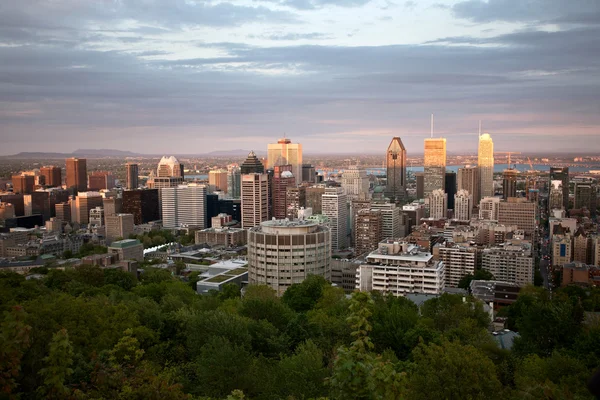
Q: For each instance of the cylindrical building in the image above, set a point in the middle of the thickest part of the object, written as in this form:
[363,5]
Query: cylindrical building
[283,252]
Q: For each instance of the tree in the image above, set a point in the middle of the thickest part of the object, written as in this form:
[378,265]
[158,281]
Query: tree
[302,297]
[14,341]
[302,375]
[58,367]
[452,371]
[480,274]
[448,310]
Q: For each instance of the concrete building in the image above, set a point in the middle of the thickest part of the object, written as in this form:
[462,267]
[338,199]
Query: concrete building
[252,165]
[596,250]
[234,182]
[23,184]
[520,212]
[392,225]
[84,202]
[580,274]
[396,171]
[511,263]
[336,209]
[582,247]
[450,188]
[132,172]
[127,249]
[314,198]
[468,179]
[284,152]
[169,173]
[562,249]
[367,230]
[489,208]
[309,174]
[355,182]
[119,226]
[490,233]
[63,211]
[255,199]
[224,236]
[100,180]
[586,196]
[54,225]
[555,196]
[184,205]
[52,175]
[420,182]
[485,164]
[7,211]
[143,204]
[463,205]
[438,204]
[295,200]
[400,268]
[561,174]
[509,183]
[282,180]
[282,253]
[112,205]
[434,165]
[217,179]
[97,216]
[77,174]
[459,260]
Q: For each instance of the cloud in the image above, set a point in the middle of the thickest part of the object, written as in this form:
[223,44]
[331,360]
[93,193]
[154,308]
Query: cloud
[280,36]
[316,4]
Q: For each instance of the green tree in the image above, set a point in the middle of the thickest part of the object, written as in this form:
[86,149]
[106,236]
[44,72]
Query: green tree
[302,375]
[15,339]
[58,367]
[302,297]
[448,310]
[480,274]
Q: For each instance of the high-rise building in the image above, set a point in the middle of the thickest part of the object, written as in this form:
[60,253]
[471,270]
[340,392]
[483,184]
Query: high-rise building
[335,208]
[582,247]
[489,208]
[586,196]
[252,165]
[396,171]
[434,165]
[485,162]
[283,179]
[420,181]
[450,188]
[217,179]
[16,199]
[143,204]
[100,180]
[285,153]
[84,202]
[132,172]
[7,211]
[308,173]
[118,226]
[555,195]
[468,179]
[562,249]
[23,184]
[438,204]
[255,199]
[463,205]
[303,248]
[112,205]
[234,181]
[518,211]
[295,200]
[77,174]
[168,174]
[97,216]
[355,182]
[513,262]
[63,211]
[459,260]
[52,175]
[314,198]
[509,183]
[184,205]
[367,230]
[561,174]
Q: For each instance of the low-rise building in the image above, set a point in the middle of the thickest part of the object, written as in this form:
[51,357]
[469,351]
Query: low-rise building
[222,236]
[128,249]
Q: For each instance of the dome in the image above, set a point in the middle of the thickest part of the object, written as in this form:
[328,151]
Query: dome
[287,174]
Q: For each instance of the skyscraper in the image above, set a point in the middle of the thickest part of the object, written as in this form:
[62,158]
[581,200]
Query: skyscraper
[355,182]
[396,170]
[52,175]
[252,165]
[168,174]
[438,204]
[283,178]
[184,205]
[99,180]
[367,230]
[450,188]
[561,174]
[509,183]
[586,195]
[335,208]
[555,195]
[468,179]
[463,205]
[434,165]
[132,172]
[84,202]
[143,204]
[255,199]
[217,179]
[485,163]
[77,174]
[23,184]
[234,181]
[285,153]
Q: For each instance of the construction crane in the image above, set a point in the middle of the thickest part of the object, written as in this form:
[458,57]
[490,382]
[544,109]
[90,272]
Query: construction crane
[509,154]
[530,165]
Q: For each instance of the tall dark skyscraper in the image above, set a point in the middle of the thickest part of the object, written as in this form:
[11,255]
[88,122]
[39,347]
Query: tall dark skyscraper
[396,171]
[77,174]
[252,165]
[509,183]
[143,204]
[132,173]
[450,188]
[561,174]
[52,175]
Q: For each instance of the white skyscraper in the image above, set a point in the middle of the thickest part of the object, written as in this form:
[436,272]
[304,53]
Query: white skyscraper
[285,153]
[486,165]
[355,182]
[463,204]
[184,205]
[335,208]
[438,204]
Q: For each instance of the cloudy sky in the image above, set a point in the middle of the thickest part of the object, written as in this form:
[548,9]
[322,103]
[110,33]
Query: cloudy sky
[193,76]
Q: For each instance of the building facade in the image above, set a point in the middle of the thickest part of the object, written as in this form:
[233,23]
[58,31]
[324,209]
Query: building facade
[434,165]
[118,226]
[52,175]
[458,261]
[485,163]
[396,171]
[284,152]
[132,172]
[463,205]
[438,204]
[355,182]
[511,263]
[367,230]
[77,174]
[336,209]
[184,205]
[509,183]
[255,199]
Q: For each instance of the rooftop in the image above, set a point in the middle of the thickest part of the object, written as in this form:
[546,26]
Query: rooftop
[122,244]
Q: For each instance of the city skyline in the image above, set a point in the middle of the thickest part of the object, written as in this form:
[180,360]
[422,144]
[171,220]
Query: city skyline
[343,75]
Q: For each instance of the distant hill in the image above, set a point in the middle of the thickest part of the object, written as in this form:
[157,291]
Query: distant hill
[104,153]
[232,153]
[90,153]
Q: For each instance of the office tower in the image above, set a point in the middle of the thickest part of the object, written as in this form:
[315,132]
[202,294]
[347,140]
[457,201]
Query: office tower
[420,181]
[513,262]
[184,205]
[520,212]
[118,226]
[77,174]
[463,205]
[100,180]
[309,173]
[468,179]
[582,247]
[335,208]
[314,198]
[355,182]
[168,174]
[234,181]
[281,181]
[231,207]
[252,165]
[302,248]
[16,200]
[38,202]
[450,188]
[562,249]
[415,212]
[396,171]
[112,205]
[586,196]
[217,179]
[561,174]
[97,216]
[555,196]
[23,184]
[84,202]
[295,200]
[458,261]
[355,206]
[489,208]
[52,175]
[285,153]
[132,172]
[63,211]
[7,211]
[54,225]
[434,165]
[212,208]
[255,199]
[485,162]
[438,204]
[367,231]
[143,204]
[509,183]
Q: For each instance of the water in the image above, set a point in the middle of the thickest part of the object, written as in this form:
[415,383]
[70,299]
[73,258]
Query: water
[201,177]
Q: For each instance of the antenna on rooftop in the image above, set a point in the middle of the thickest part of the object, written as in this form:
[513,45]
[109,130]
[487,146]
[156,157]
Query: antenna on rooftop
[479,127]
[432,125]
